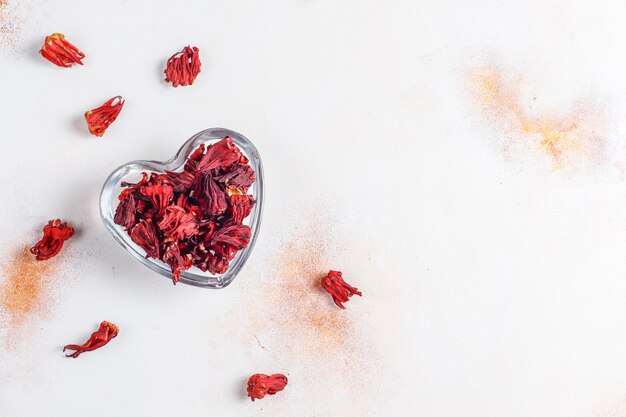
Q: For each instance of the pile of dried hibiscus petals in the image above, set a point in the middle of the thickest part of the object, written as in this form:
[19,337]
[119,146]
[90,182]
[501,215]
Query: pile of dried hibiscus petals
[193,217]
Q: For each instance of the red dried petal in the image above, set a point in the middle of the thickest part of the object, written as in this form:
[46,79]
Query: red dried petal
[177,223]
[341,292]
[240,207]
[60,52]
[213,198]
[54,234]
[125,213]
[237,236]
[181,182]
[99,119]
[183,67]
[260,385]
[99,338]
[160,195]
[220,155]
[240,177]
[216,264]
[176,261]
[194,158]
[144,234]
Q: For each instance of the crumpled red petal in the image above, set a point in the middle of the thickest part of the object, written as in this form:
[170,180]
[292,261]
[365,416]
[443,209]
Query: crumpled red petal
[341,291]
[105,333]
[260,385]
[61,52]
[54,234]
[99,119]
[183,67]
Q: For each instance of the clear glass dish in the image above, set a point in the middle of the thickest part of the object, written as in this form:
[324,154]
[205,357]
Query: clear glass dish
[131,172]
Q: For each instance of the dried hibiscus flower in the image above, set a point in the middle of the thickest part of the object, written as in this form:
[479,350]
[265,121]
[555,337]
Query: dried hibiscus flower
[99,119]
[341,292]
[183,67]
[60,52]
[260,385]
[99,338]
[193,217]
[54,234]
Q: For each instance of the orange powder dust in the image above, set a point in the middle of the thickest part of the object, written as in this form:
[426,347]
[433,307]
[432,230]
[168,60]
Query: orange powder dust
[305,311]
[567,139]
[24,288]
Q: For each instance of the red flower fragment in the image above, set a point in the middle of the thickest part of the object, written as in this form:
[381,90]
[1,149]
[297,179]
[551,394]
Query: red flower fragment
[99,338]
[99,119]
[193,217]
[183,67]
[334,284]
[260,385]
[54,234]
[60,52]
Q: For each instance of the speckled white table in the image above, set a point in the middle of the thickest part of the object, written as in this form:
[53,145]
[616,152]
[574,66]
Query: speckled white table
[461,162]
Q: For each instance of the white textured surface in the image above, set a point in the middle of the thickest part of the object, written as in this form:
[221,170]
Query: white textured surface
[493,286]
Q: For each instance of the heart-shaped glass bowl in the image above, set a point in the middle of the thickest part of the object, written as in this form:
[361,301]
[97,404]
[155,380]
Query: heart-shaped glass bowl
[131,172]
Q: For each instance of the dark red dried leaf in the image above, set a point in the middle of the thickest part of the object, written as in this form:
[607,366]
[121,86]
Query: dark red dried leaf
[160,195]
[54,234]
[144,234]
[126,212]
[99,119]
[176,261]
[214,198]
[237,236]
[341,292]
[240,206]
[183,67]
[61,52]
[99,338]
[240,177]
[220,155]
[177,223]
[260,385]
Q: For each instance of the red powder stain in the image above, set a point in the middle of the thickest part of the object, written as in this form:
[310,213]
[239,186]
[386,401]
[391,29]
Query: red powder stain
[24,292]
[570,139]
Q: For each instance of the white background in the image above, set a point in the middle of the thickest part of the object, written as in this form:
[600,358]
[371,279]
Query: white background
[493,282]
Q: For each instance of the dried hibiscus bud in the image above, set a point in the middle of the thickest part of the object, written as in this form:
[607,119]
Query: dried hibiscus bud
[99,338]
[99,119]
[259,385]
[183,67]
[144,234]
[177,223]
[237,236]
[334,284]
[240,207]
[60,52]
[176,261]
[54,234]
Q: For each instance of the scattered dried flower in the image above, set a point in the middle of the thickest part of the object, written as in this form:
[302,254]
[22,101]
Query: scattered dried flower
[183,67]
[260,385]
[99,338]
[60,52]
[99,119]
[54,234]
[341,292]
